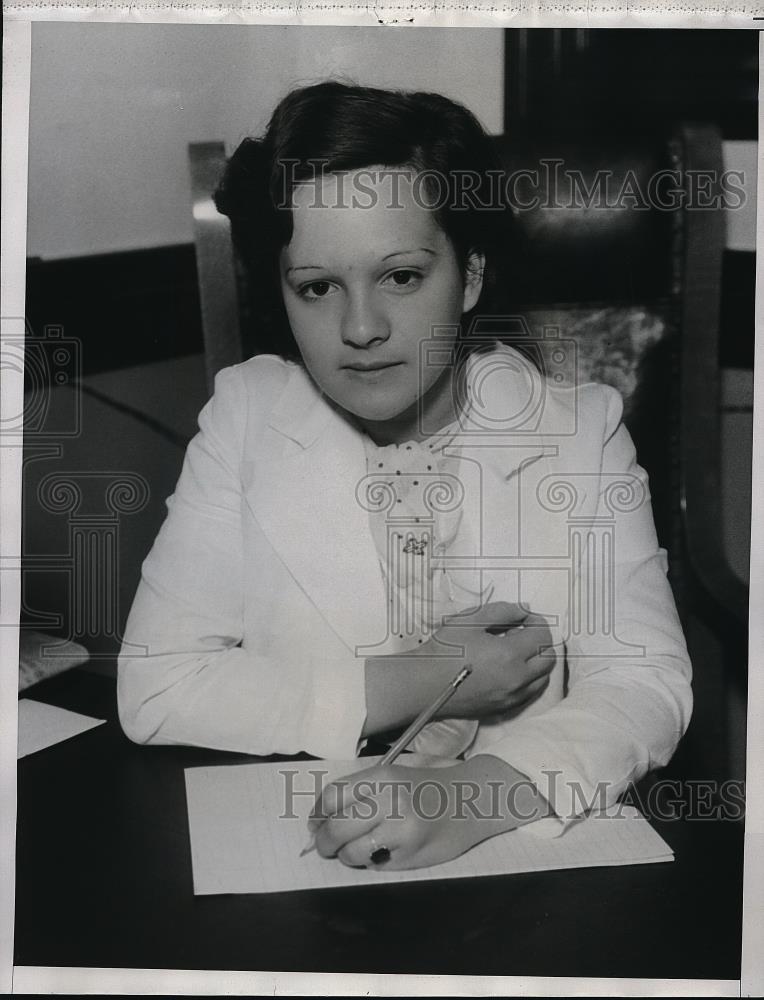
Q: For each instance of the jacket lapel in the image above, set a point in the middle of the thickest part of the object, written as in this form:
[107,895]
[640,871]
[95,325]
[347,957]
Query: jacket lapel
[303,495]
[310,461]
[512,430]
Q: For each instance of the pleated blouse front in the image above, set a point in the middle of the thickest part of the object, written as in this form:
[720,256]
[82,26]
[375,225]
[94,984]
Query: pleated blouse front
[419,520]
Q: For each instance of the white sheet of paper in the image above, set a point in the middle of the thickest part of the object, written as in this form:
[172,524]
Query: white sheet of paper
[247,830]
[42,725]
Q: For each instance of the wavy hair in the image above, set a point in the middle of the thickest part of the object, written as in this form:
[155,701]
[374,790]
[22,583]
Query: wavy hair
[332,127]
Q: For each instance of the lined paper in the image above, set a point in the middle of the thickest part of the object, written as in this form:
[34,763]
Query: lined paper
[247,825]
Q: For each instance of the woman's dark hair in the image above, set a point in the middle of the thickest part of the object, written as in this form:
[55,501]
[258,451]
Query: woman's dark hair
[333,127]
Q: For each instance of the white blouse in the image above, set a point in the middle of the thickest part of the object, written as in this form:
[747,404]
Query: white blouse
[421,595]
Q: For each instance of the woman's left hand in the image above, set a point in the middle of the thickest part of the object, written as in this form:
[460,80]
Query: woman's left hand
[422,816]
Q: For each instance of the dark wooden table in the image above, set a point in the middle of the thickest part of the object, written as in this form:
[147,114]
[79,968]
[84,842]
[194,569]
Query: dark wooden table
[104,879]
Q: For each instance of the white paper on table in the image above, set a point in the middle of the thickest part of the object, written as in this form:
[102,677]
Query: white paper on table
[247,833]
[42,725]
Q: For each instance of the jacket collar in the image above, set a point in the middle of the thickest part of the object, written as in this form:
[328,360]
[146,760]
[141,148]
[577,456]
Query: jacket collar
[305,493]
[302,411]
[508,409]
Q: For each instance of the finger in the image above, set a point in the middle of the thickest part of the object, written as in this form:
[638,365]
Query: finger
[527,694]
[541,665]
[336,833]
[354,797]
[374,849]
[335,798]
[536,621]
[534,688]
[495,614]
[327,804]
[530,640]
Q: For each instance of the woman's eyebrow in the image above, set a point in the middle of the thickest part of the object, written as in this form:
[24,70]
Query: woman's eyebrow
[394,253]
[400,253]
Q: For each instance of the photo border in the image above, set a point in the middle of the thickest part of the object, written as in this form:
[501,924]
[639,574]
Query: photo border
[16,79]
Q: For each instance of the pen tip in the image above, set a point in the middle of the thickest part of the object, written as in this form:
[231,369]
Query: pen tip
[307,849]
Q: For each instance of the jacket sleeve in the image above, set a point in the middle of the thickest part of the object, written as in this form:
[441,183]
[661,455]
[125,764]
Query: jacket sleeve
[184,676]
[623,714]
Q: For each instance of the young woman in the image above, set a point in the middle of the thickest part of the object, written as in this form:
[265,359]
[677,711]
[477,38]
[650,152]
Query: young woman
[387,497]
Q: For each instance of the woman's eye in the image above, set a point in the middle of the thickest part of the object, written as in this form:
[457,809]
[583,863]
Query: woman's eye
[404,278]
[316,290]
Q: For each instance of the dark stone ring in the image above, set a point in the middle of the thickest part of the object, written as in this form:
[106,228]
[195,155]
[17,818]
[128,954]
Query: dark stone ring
[379,855]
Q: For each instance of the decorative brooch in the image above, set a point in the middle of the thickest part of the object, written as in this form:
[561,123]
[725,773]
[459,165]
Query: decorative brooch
[416,545]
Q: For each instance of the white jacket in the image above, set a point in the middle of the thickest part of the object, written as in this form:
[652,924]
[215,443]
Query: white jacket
[263,592]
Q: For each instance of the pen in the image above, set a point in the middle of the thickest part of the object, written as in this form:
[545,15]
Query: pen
[413,730]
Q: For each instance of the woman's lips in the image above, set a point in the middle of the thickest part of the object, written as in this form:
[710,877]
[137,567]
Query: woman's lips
[371,370]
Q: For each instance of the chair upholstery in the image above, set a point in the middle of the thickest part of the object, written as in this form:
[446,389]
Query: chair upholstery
[638,289]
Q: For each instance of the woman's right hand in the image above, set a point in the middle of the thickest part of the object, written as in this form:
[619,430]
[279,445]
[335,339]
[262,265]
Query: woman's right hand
[509,651]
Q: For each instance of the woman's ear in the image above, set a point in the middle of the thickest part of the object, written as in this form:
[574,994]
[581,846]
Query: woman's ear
[473,279]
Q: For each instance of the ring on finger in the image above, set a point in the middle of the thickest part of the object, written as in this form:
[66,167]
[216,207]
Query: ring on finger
[379,854]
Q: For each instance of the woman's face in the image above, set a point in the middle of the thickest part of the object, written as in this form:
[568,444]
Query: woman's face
[364,285]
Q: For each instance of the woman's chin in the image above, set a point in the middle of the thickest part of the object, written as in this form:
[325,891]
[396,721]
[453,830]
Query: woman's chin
[377,409]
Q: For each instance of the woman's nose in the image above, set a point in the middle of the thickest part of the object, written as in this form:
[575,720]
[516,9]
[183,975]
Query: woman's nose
[363,323]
